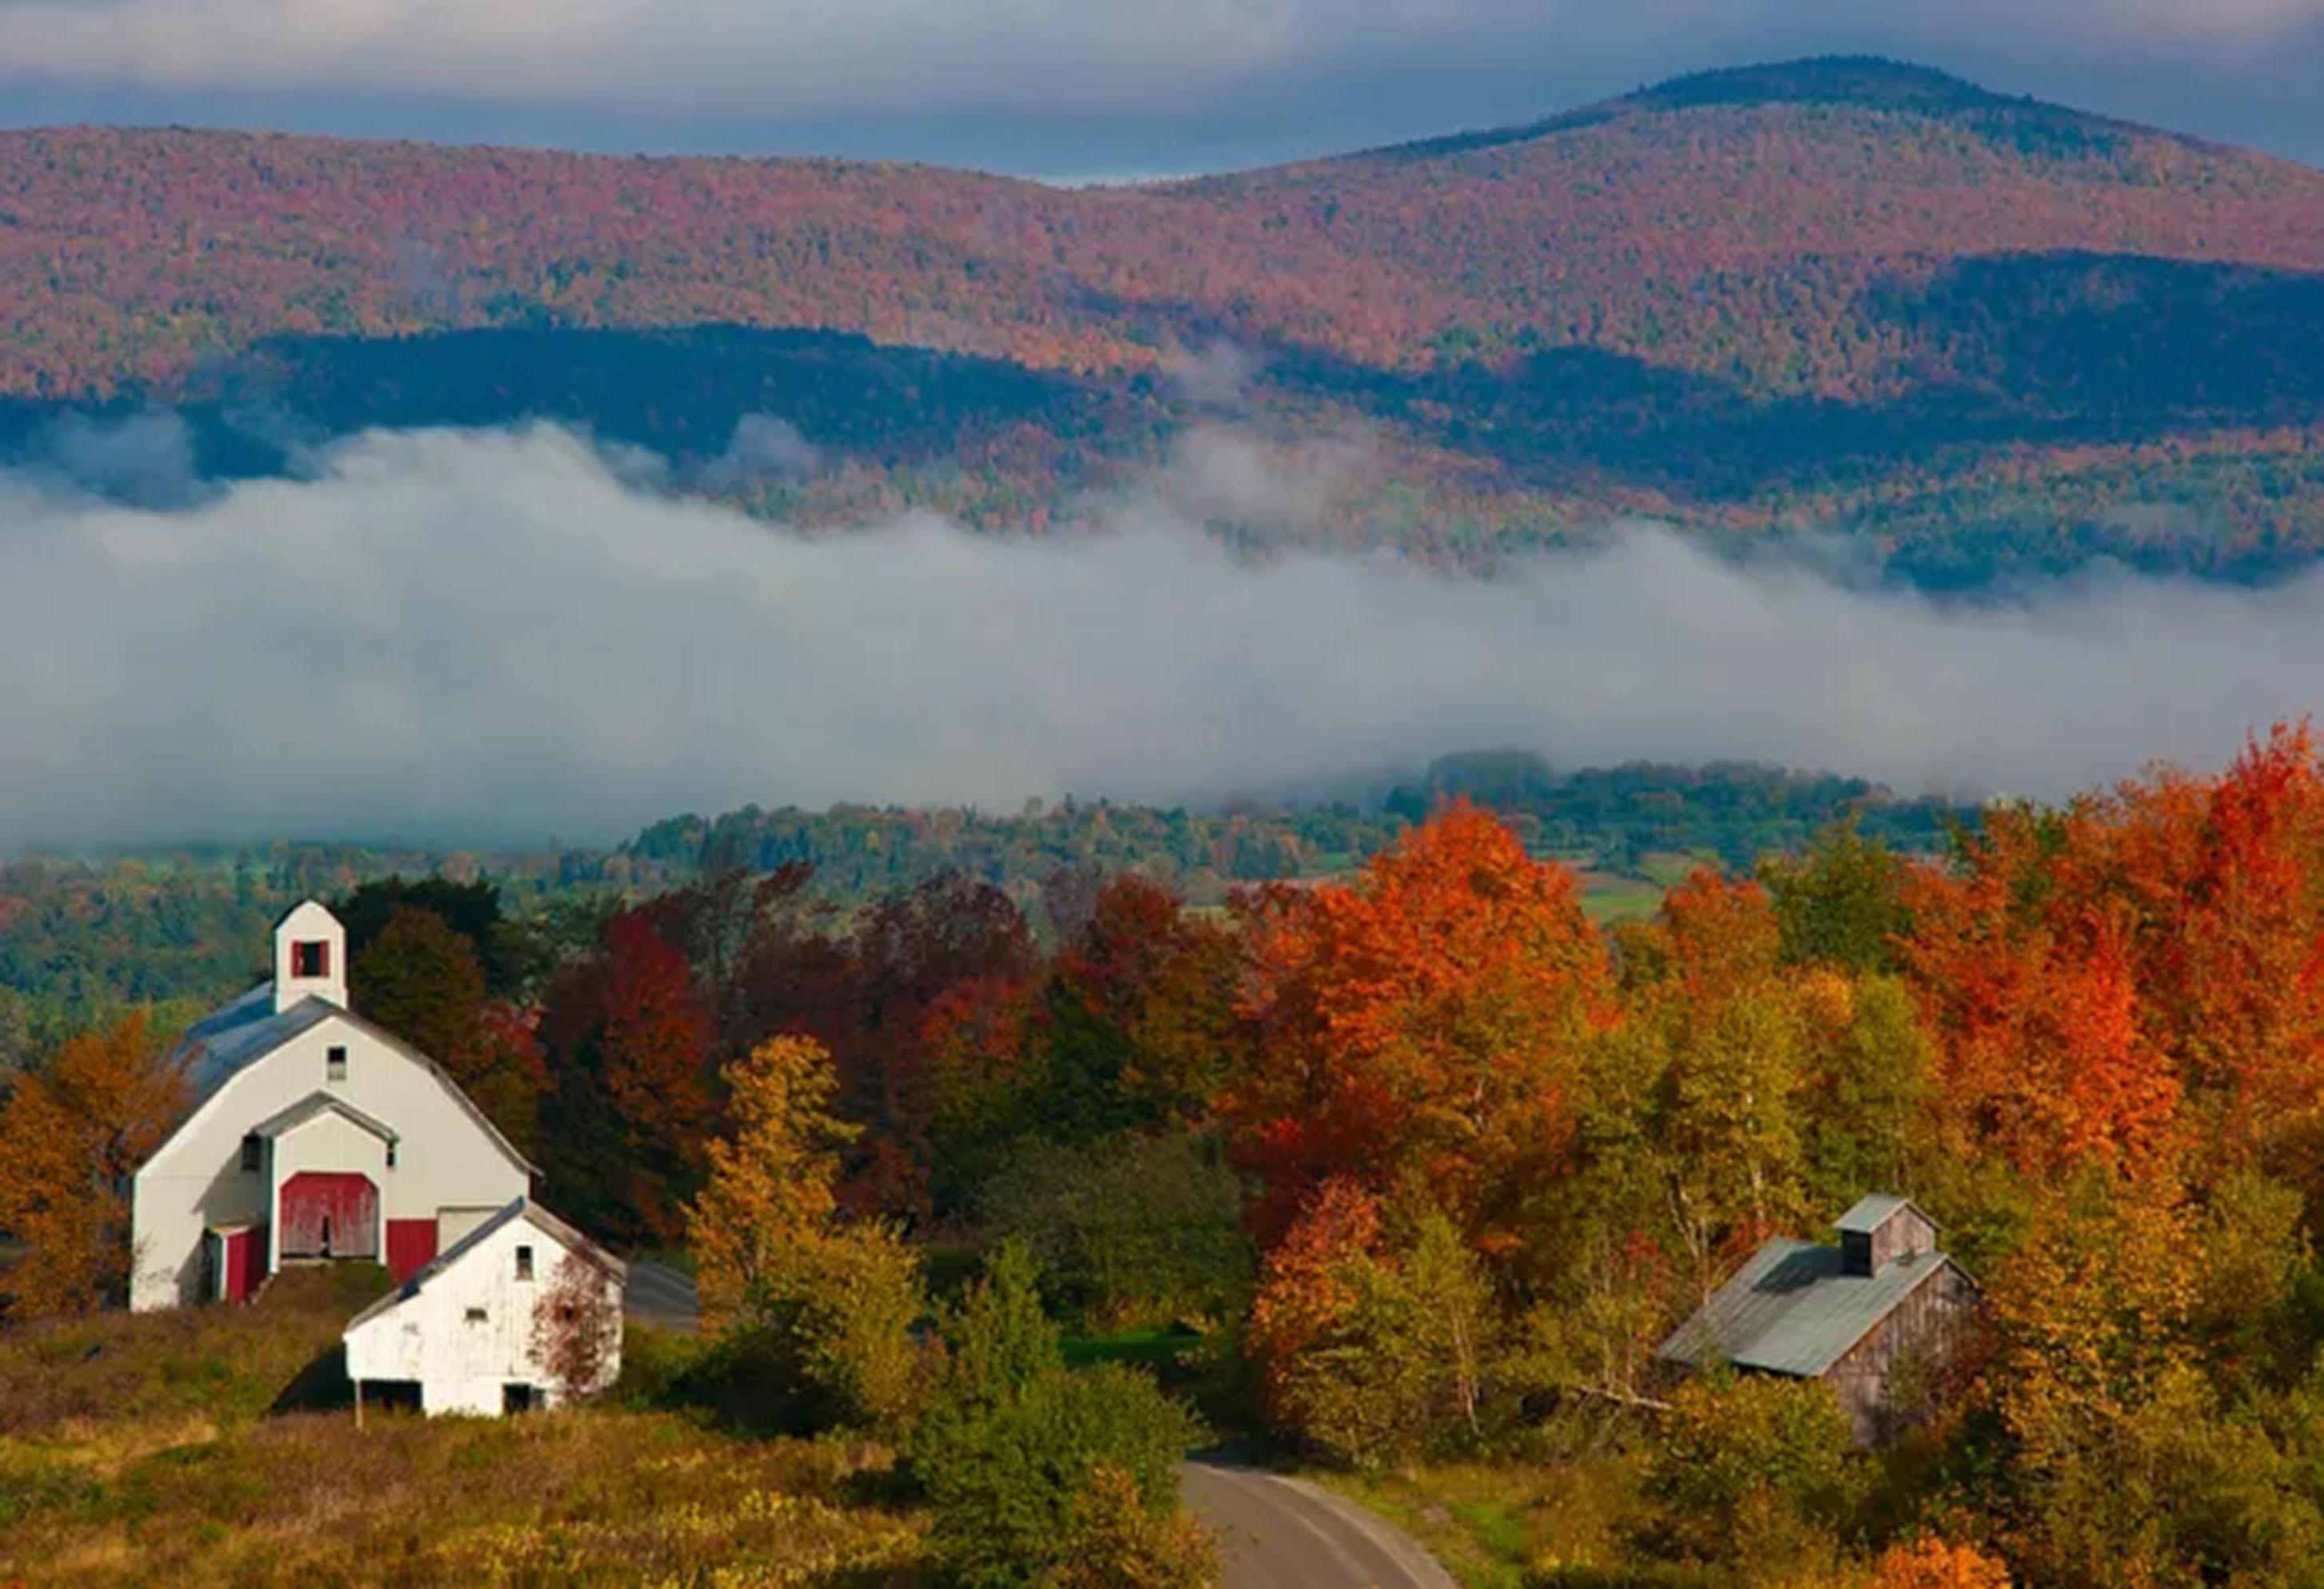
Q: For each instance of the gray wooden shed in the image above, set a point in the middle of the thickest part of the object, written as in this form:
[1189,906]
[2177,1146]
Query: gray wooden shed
[1865,1316]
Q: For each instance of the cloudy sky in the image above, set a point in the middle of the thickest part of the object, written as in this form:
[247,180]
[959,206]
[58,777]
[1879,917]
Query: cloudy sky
[1074,89]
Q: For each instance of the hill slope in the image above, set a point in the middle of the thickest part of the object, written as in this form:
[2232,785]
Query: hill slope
[1727,286]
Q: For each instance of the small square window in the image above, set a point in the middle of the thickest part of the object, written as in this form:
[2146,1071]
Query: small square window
[334,1064]
[253,1152]
[311,958]
[475,1315]
[524,1264]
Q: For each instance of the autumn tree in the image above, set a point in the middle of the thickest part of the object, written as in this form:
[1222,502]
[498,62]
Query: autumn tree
[769,1186]
[833,1301]
[632,1101]
[1427,1024]
[72,1133]
[1375,1343]
[1932,1563]
[576,1326]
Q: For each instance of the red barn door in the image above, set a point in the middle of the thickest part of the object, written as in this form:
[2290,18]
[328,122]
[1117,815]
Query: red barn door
[242,1264]
[410,1246]
[329,1214]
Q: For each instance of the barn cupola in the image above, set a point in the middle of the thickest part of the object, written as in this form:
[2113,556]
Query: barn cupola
[1882,1229]
[310,958]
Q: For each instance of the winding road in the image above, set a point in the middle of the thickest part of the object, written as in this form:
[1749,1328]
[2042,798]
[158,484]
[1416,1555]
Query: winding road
[1274,1532]
[1283,1533]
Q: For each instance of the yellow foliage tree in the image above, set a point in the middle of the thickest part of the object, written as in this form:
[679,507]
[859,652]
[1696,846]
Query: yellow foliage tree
[770,1191]
[835,1301]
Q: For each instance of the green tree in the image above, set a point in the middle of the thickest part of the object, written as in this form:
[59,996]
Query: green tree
[422,980]
[1129,1229]
[1841,903]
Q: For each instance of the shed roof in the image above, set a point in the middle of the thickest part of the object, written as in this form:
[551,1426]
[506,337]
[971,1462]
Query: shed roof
[524,1208]
[1877,1209]
[319,1103]
[1790,1310]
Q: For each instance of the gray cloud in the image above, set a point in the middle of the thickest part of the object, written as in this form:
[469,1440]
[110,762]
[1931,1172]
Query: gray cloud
[1085,86]
[487,636]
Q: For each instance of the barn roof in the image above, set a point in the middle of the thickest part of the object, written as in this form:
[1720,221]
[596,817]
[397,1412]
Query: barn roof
[249,1028]
[315,1104]
[240,1033]
[524,1208]
[1790,1310]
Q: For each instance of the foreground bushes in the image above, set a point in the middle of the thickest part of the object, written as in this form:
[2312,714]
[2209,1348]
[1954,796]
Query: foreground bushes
[1033,1472]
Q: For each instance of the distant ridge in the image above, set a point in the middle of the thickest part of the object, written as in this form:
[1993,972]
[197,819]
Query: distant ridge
[1869,82]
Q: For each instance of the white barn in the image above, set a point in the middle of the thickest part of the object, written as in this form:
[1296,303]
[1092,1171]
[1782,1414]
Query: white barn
[472,1328]
[314,1135]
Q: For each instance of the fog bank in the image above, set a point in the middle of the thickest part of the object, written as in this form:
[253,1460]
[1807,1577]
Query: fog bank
[493,636]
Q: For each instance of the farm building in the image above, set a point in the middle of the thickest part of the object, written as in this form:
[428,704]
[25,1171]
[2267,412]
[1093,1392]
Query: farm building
[520,1313]
[1873,1318]
[314,1136]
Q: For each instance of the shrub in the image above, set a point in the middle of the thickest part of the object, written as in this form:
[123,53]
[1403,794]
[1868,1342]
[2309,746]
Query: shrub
[1750,1471]
[1009,1486]
[1024,1462]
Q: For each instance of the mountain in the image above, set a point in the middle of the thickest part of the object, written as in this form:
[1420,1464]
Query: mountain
[1783,294]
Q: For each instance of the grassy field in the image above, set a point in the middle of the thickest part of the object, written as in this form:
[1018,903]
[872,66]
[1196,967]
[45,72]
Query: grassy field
[211,1447]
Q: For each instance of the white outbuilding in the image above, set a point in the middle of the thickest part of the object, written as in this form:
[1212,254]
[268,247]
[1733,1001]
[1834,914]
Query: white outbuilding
[522,1312]
[315,1136]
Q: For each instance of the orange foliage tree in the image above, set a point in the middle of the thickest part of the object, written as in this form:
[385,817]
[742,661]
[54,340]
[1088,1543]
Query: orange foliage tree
[2139,973]
[73,1132]
[1427,1021]
[1931,1563]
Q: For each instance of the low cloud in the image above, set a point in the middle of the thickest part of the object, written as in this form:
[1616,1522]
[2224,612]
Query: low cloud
[492,636]
[146,457]
[763,448]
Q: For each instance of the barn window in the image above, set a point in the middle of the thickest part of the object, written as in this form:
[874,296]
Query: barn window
[251,1151]
[390,1155]
[475,1315]
[311,958]
[524,1264]
[334,1064]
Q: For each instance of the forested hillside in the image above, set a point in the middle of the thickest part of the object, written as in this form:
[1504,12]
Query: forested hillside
[1838,291]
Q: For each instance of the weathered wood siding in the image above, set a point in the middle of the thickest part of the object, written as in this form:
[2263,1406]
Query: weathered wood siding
[1919,1339]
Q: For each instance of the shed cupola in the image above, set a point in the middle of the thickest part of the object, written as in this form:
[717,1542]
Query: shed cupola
[1880,1230]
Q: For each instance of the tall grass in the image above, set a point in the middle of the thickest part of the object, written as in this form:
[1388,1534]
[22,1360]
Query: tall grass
[152,1449]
